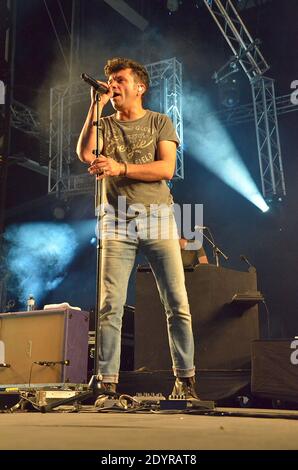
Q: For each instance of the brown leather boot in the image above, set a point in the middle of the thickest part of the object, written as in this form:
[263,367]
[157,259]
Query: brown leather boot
[184,387]
[108,387]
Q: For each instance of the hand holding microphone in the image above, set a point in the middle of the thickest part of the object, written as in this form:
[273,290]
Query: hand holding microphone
[99,88]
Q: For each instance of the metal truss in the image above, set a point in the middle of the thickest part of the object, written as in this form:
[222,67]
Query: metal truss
[7,43]
[248,55]
[61,180]
[245,112]
[61,152]
[269,151]
[25,119]
[168,74]
[245,49]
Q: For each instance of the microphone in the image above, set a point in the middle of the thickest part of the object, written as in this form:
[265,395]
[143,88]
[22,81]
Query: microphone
[243,258]
[52,363]
[101,89]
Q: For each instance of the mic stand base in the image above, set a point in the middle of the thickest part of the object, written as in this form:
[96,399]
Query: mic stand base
[94,390]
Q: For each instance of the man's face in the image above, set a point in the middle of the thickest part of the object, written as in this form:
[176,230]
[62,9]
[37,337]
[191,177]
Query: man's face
[125,88]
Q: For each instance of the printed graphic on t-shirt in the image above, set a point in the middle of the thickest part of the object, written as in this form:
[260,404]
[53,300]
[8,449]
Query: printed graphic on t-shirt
[133,147]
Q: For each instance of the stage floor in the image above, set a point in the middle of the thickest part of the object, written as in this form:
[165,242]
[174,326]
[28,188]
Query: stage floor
[255,429]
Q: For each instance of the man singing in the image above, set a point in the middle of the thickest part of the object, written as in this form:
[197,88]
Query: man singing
[137,156]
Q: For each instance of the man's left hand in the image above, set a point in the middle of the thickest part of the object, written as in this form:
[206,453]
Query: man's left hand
[105,166]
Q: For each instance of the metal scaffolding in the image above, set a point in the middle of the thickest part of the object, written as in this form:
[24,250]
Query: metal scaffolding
[245,113]
[166,74]
[7,48]
[245,49]
[247,54]
[25,119]
[60,179]
[273,183]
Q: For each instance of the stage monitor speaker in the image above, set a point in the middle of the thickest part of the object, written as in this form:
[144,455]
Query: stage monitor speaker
[44,335]
[223,329]
[275,369]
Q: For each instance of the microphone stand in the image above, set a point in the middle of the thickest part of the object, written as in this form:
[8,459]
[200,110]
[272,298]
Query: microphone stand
[251,268]
[94,388]
[99,186]
[216,250]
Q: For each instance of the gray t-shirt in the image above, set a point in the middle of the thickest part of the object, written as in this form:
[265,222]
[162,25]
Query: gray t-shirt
[136,142]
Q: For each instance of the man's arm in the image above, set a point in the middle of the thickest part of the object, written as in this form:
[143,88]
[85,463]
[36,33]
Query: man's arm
[161,169]
[87,139]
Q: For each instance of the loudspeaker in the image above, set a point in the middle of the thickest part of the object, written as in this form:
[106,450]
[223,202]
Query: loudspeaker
[44,335]
[223,329]
[275,369]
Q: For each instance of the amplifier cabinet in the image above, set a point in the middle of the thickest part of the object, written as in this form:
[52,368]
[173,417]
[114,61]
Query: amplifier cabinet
[274,369]
[44,335]
[223,331]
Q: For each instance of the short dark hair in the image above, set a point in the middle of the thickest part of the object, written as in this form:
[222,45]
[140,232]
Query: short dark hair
[119,63]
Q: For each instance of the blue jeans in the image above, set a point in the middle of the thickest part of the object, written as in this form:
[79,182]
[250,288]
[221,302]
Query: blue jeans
[163,254]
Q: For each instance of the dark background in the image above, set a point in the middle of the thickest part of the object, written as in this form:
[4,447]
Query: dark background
[190,35]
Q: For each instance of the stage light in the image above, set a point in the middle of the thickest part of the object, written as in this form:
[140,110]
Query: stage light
[172,5]
[210,144]
[274,203]
[261,204]
[60,210]
[274,199]
[229,93]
